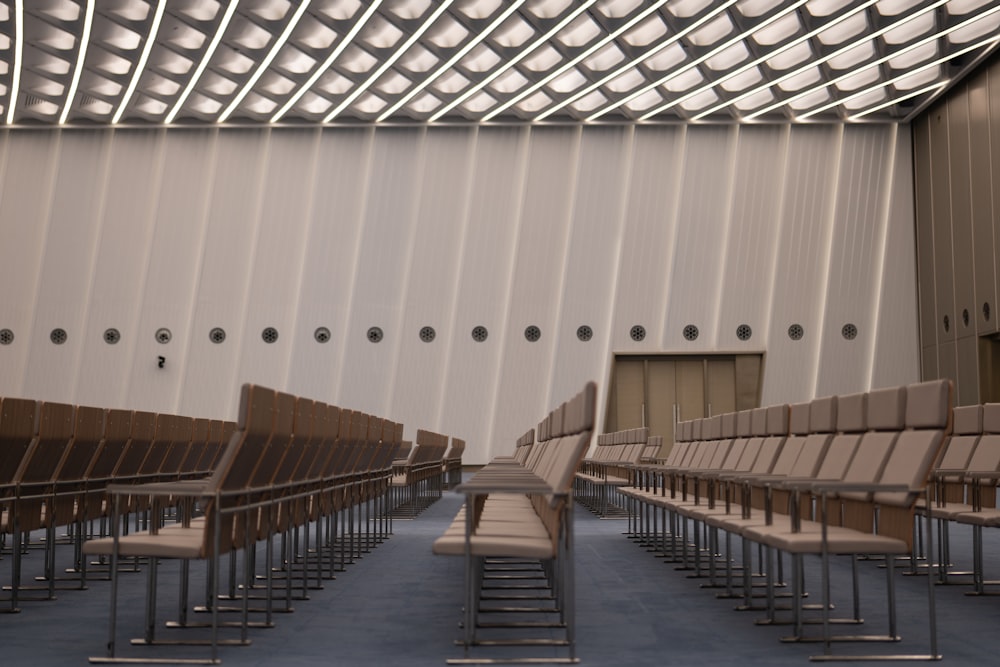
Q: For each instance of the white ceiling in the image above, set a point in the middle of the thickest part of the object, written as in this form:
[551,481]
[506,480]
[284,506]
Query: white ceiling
[86,62]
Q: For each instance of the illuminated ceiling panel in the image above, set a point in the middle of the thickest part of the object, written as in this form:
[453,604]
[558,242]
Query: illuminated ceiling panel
[299,62]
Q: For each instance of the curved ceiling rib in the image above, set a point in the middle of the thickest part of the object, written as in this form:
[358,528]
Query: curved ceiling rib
[73,63]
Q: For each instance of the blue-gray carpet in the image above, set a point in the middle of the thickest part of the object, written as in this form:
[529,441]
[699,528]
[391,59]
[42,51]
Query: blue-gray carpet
[400,605]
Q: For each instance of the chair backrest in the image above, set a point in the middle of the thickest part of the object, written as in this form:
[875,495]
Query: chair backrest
[18,429]
[966,432]
[55,431]
[886,419]
[117,431]
[88,436]
[986,456]
[852,422]
[798,430]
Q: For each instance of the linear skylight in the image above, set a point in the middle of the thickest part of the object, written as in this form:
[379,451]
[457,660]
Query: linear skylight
[81,56]
[447,67]
[230,10]
[15,84]
[325,66]
[140,66]
[266,62]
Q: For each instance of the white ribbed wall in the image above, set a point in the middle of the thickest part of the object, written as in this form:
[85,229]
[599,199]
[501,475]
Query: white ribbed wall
[450,228]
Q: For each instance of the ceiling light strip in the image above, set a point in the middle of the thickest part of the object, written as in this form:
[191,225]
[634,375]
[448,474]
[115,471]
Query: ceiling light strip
[266,62]
[934,88]
[673,39]
[230,10]
[140,66]
[473,43]
[390,61]
[885,84]
[15,84]
[909,47]
[81,55]
[322,69]
[579,58]
[794,7]
[788,45]
[524,53]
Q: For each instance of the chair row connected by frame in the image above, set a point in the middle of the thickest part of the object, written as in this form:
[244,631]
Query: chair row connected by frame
[314,475]
[56,461]
[611,467]
[516,527]
[842,475]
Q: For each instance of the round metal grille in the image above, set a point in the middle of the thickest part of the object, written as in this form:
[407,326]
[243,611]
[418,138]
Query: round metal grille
[947,323]
[691,332]
[965,317]
[163,336]
[270,335]
[584,333]
[58,336]
[374,334]
[743,332]
[849,331]
[479,334]
[796,332]
[6,336]
[637,332]
[427,334]
[217,335]
[986,310]
[112,336]
[532,333]
[322,335]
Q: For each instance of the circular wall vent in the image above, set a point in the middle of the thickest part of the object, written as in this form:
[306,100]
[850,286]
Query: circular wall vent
[217,335]
[427,334]
[322,335]
[112,336]
[374,334]
[965,317]
[584,333]
[947,323]
[270,335]
[743,332]
[533,333]
[163,336]
[637,332]
[479,334]
[6,336]
[58,336]
[849,331]
[796,332]
[690,332]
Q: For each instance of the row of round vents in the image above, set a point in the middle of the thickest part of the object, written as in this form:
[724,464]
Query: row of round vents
[427,334]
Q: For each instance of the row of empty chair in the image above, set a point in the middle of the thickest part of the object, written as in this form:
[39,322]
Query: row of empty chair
[291,466]
[838,475]
[611,466]
[418,478]
[57,459]
[516,528]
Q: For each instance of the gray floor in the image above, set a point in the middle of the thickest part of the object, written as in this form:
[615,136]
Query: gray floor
[400,605]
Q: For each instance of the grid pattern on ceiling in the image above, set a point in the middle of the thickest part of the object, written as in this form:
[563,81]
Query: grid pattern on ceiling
[84,62]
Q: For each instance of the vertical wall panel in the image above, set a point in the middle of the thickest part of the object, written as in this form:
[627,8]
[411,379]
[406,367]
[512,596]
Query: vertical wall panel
[170,283]
[967,371]
[981,193]
[704,217]
[895,356]
[924,216]
[274,282]
[487,261]
[66,272]
[591,262]
[944,270]
[536,285]
[225,268]
[432,280]
[964,323]
[130,194]
[30,162]
[386,244]
[855,259]
[814,155]
[648,237]
[330,264]
[753,239]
